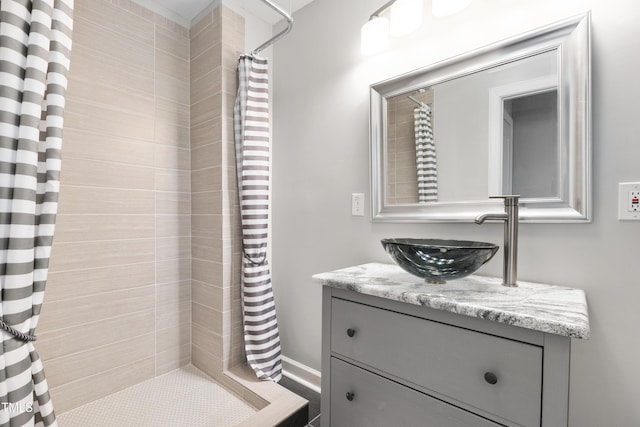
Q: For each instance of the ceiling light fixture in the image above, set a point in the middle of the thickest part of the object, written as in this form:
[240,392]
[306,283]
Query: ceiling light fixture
[406,17]
[374,36]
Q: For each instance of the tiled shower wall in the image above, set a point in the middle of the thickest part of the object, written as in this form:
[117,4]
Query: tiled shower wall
[118,302]
[402,173]
[216,40]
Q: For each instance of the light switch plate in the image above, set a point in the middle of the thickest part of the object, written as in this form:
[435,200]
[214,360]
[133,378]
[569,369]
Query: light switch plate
[357,204]
[628,201]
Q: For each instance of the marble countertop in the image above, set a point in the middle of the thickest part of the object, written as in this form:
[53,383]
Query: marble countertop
[547,308]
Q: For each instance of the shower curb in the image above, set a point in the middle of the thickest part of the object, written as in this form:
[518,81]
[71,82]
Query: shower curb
[276,405]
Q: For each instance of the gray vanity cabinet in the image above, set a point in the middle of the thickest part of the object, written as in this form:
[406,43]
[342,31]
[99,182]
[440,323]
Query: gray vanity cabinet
[377,401]
[387,363]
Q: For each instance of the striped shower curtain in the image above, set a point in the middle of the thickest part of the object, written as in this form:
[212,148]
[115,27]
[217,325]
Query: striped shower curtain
[251,120]
[425,155]
[35,43]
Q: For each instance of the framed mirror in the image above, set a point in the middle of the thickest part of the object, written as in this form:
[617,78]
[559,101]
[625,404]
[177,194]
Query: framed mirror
[510,118]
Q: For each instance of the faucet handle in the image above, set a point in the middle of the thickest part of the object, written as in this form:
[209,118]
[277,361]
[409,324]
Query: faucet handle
[509,200]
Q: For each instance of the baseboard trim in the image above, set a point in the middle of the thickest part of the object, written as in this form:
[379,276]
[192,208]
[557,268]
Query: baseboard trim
[300,373]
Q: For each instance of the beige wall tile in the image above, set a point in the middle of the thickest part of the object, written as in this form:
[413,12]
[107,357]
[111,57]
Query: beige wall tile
[62,342]
[172,271]
[173,225]
[207,109]
[84,282]
[80,227]
[122,260]
[92,91]
[78,311]
[175,336]
[91,254]
[173,292]
[172,180]
[211,296]
[206,61]
[227,325]
[209,18]
[121,267]
[111,44]
[206,362]
[206,132]
[207,340]
[173,358]
[228,103]
[168,157]
[91,388]
[206,202]
[94,146]
[172,42]
[228,134]
[171,134]
[73,367]
[229,82]
[95,173]
[167,87]
[206,85]
[206,272]
[168,248]
[229,56]
[115,19]
[240,39]
[87,200]
[205,38]
[206,317]
[170,315]
[131,6]
[205,156]
[207,226]
[172,112]
[108,121]
[206,248]
[229,23]
[406,174]
[171,65]
[209,179]
[169,24]
[88,63]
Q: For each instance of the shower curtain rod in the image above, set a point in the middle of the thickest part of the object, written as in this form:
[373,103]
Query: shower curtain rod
[420,103]
[282,33]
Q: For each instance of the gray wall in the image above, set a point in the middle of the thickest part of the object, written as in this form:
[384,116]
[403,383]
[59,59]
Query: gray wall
[320,156]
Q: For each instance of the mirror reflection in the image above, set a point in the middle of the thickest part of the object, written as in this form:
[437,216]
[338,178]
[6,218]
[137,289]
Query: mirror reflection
[530,160]
[494,131]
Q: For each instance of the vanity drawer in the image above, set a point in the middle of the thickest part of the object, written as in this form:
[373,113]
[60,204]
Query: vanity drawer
[452,362]
[361,398]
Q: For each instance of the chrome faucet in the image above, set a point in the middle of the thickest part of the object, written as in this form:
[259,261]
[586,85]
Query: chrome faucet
[510,218]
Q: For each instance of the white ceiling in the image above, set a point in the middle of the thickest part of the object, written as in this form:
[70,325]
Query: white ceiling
[185,10]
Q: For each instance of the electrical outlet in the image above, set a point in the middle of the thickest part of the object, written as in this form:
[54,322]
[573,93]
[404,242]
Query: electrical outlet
[634,201]
[629,201]
[357,204]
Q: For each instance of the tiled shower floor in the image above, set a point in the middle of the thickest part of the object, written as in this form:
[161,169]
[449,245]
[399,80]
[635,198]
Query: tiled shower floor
[182,398]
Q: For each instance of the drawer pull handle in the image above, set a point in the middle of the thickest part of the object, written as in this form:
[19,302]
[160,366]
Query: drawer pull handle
[350,396]
[490,377]
[351,332]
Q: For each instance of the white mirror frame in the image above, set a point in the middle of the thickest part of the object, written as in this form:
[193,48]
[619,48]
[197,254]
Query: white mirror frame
[572,40]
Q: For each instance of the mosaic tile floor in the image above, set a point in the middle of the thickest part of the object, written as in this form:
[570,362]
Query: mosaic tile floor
[182,398]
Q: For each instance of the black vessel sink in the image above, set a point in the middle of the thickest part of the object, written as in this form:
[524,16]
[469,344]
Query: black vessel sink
[438,260]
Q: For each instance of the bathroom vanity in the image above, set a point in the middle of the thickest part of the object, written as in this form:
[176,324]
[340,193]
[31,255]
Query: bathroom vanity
[471,352]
